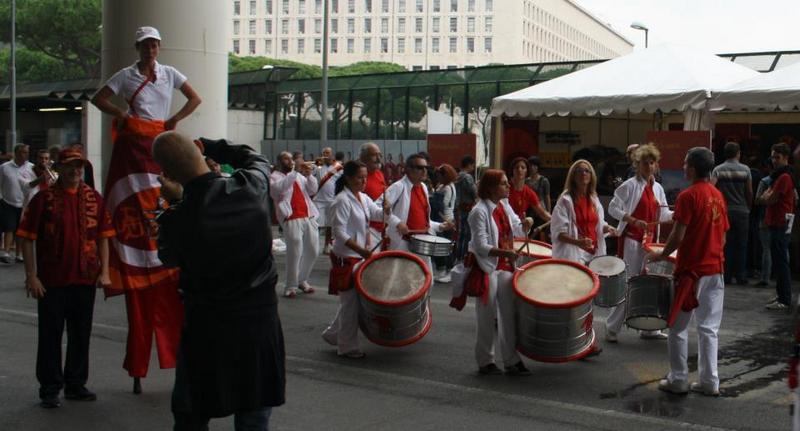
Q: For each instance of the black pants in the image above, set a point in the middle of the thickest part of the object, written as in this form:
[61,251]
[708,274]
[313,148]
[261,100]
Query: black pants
[75,306]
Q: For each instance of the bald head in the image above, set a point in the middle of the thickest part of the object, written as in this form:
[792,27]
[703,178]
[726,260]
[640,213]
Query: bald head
[179,157]
[370,155]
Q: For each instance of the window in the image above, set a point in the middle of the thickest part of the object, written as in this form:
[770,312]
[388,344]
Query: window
[368,6]
[489,5]
[453,44]
[385,6]
[334,46]
[317,26]
[416,68]
[401,45]
[384,45]
[401,6]
[401,25]
[301,26]
[236,27]
[434,68]
[351,25]
[253,12]
[453,5]
[268,6]
[317,46]
[334,25]
[418,45]
[437,5]
[470,45]
[334,6]
[351,46]
[488,25]
[470,5]
[237,9]
[268,46]
[301,46]
[367,25]
[451,66]
[268,26]
[384,25]
[351,6]
[251,26]
[284,46]
[236,47]
[418,25]
[285,6]
[318,6]
[453,25]
[284,26]
[367,46]
[470,24]
[301,6]
[419,6]
[435,25]
[435,45]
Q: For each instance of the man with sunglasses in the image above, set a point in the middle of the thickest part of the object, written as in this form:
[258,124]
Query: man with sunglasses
[410,211]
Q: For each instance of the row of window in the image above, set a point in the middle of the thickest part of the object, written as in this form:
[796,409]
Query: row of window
[367,6]
[469,46]
[558,35]
[367,27]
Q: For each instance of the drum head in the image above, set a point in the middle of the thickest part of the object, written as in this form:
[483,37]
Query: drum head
[607,265]
[555,283]
[534,248]
[393,277]
[430,238]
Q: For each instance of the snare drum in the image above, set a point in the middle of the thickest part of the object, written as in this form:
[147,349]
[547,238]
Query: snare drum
[394,307]
[660,267]
[430,245]
[612,274]
[649,302]
[554,310]
[532,250]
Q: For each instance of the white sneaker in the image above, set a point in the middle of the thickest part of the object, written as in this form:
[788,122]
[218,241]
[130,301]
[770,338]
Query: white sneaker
[611,336]
[327,249]
[5,257]
[444,277]
[675,387]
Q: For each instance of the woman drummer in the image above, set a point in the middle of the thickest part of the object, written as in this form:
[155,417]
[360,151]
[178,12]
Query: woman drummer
[351,212]
[493,225]
[520,196]
[639,204]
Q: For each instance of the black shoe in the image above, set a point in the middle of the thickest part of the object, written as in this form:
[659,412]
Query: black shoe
[80,394]
[50,402]
[517,369]
[490,369]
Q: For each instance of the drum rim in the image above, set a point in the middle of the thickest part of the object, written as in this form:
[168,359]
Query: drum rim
[624,265]
[650,250]
[580,301]
[415,237]
[533,241]
[407,341]
[394,253]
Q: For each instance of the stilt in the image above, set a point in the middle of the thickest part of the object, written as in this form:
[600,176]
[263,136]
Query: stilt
[137,385]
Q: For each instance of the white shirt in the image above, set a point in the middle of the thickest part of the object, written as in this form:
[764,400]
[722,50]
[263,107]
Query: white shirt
[281,190]
[627,197]
[14,181]
[350,219]
[564,221]
[153,102]
[326,193]
[399,197]
[484,232]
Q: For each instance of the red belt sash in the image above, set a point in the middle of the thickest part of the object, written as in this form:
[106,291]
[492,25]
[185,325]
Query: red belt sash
[341,275]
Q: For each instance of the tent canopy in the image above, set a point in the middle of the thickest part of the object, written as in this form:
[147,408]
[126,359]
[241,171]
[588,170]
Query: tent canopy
[664,77]
[777,89]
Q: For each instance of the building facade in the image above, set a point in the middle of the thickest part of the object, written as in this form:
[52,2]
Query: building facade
[423,34]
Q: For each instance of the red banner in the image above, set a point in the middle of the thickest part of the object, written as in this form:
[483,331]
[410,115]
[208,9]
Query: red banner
[451,148]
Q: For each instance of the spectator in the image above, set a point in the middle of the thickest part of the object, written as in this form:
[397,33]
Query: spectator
[763,232]
[45,176]
[466,197]
[446,194]
[14,174]
[540,184]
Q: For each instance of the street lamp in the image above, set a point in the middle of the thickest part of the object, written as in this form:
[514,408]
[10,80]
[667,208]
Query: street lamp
[639,26]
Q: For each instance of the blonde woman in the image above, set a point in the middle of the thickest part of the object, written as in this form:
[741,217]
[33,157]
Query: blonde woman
[577,226]
[639,204]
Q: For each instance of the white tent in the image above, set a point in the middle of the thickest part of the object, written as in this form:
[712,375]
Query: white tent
[664,77]
[777,89]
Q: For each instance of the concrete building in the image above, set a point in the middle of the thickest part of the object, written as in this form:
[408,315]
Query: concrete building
[423,34]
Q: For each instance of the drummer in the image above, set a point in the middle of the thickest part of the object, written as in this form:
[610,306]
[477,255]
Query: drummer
[410,209]
[493,225]
[639,204]
[351,213]
[521,197]
[577,227]
[701,216]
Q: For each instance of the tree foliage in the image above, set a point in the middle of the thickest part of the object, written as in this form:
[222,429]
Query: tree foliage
[34,66]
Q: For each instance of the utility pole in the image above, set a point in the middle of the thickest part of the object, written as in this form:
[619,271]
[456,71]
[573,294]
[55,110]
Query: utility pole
[13,76]
[323,133]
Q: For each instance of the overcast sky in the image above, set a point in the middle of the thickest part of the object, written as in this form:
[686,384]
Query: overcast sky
[719,26]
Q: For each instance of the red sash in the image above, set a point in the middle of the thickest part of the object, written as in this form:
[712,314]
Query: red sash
[329,175]
[341,275]
[476,284]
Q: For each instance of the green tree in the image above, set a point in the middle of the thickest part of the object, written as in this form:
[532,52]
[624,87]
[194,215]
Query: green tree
[34,66]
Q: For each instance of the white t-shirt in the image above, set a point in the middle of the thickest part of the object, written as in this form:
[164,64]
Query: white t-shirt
[13,180]
[154,100]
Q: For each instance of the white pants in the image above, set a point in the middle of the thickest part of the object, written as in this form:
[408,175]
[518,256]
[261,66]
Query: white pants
[500,304]
[344,327]
[302,247]
[633,256]
[708,316]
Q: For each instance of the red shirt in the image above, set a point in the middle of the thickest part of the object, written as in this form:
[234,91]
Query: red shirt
[418,216]
[299,206]
[39,224]
[521,200]
[701,208]
[775,215]
[646,210]
[586,218]
[505,238]
[376,185]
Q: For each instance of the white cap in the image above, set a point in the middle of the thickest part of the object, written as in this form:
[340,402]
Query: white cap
[143,33]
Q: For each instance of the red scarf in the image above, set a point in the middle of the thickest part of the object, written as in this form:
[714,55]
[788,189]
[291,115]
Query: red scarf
[88,218]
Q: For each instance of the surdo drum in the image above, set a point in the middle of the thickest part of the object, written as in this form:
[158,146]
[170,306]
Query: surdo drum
[660,267]
[649,302]
[394,304]
[554,310]
[611,271]
[532,250]
[430,245]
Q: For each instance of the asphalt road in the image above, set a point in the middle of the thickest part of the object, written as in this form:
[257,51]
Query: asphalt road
[431,385]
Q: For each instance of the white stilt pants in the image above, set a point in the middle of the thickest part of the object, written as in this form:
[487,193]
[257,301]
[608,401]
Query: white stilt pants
[302,247]
[344,328]
[500,304]
[708,316]
[634,260]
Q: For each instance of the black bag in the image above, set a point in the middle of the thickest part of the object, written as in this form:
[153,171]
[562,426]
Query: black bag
[436,202]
